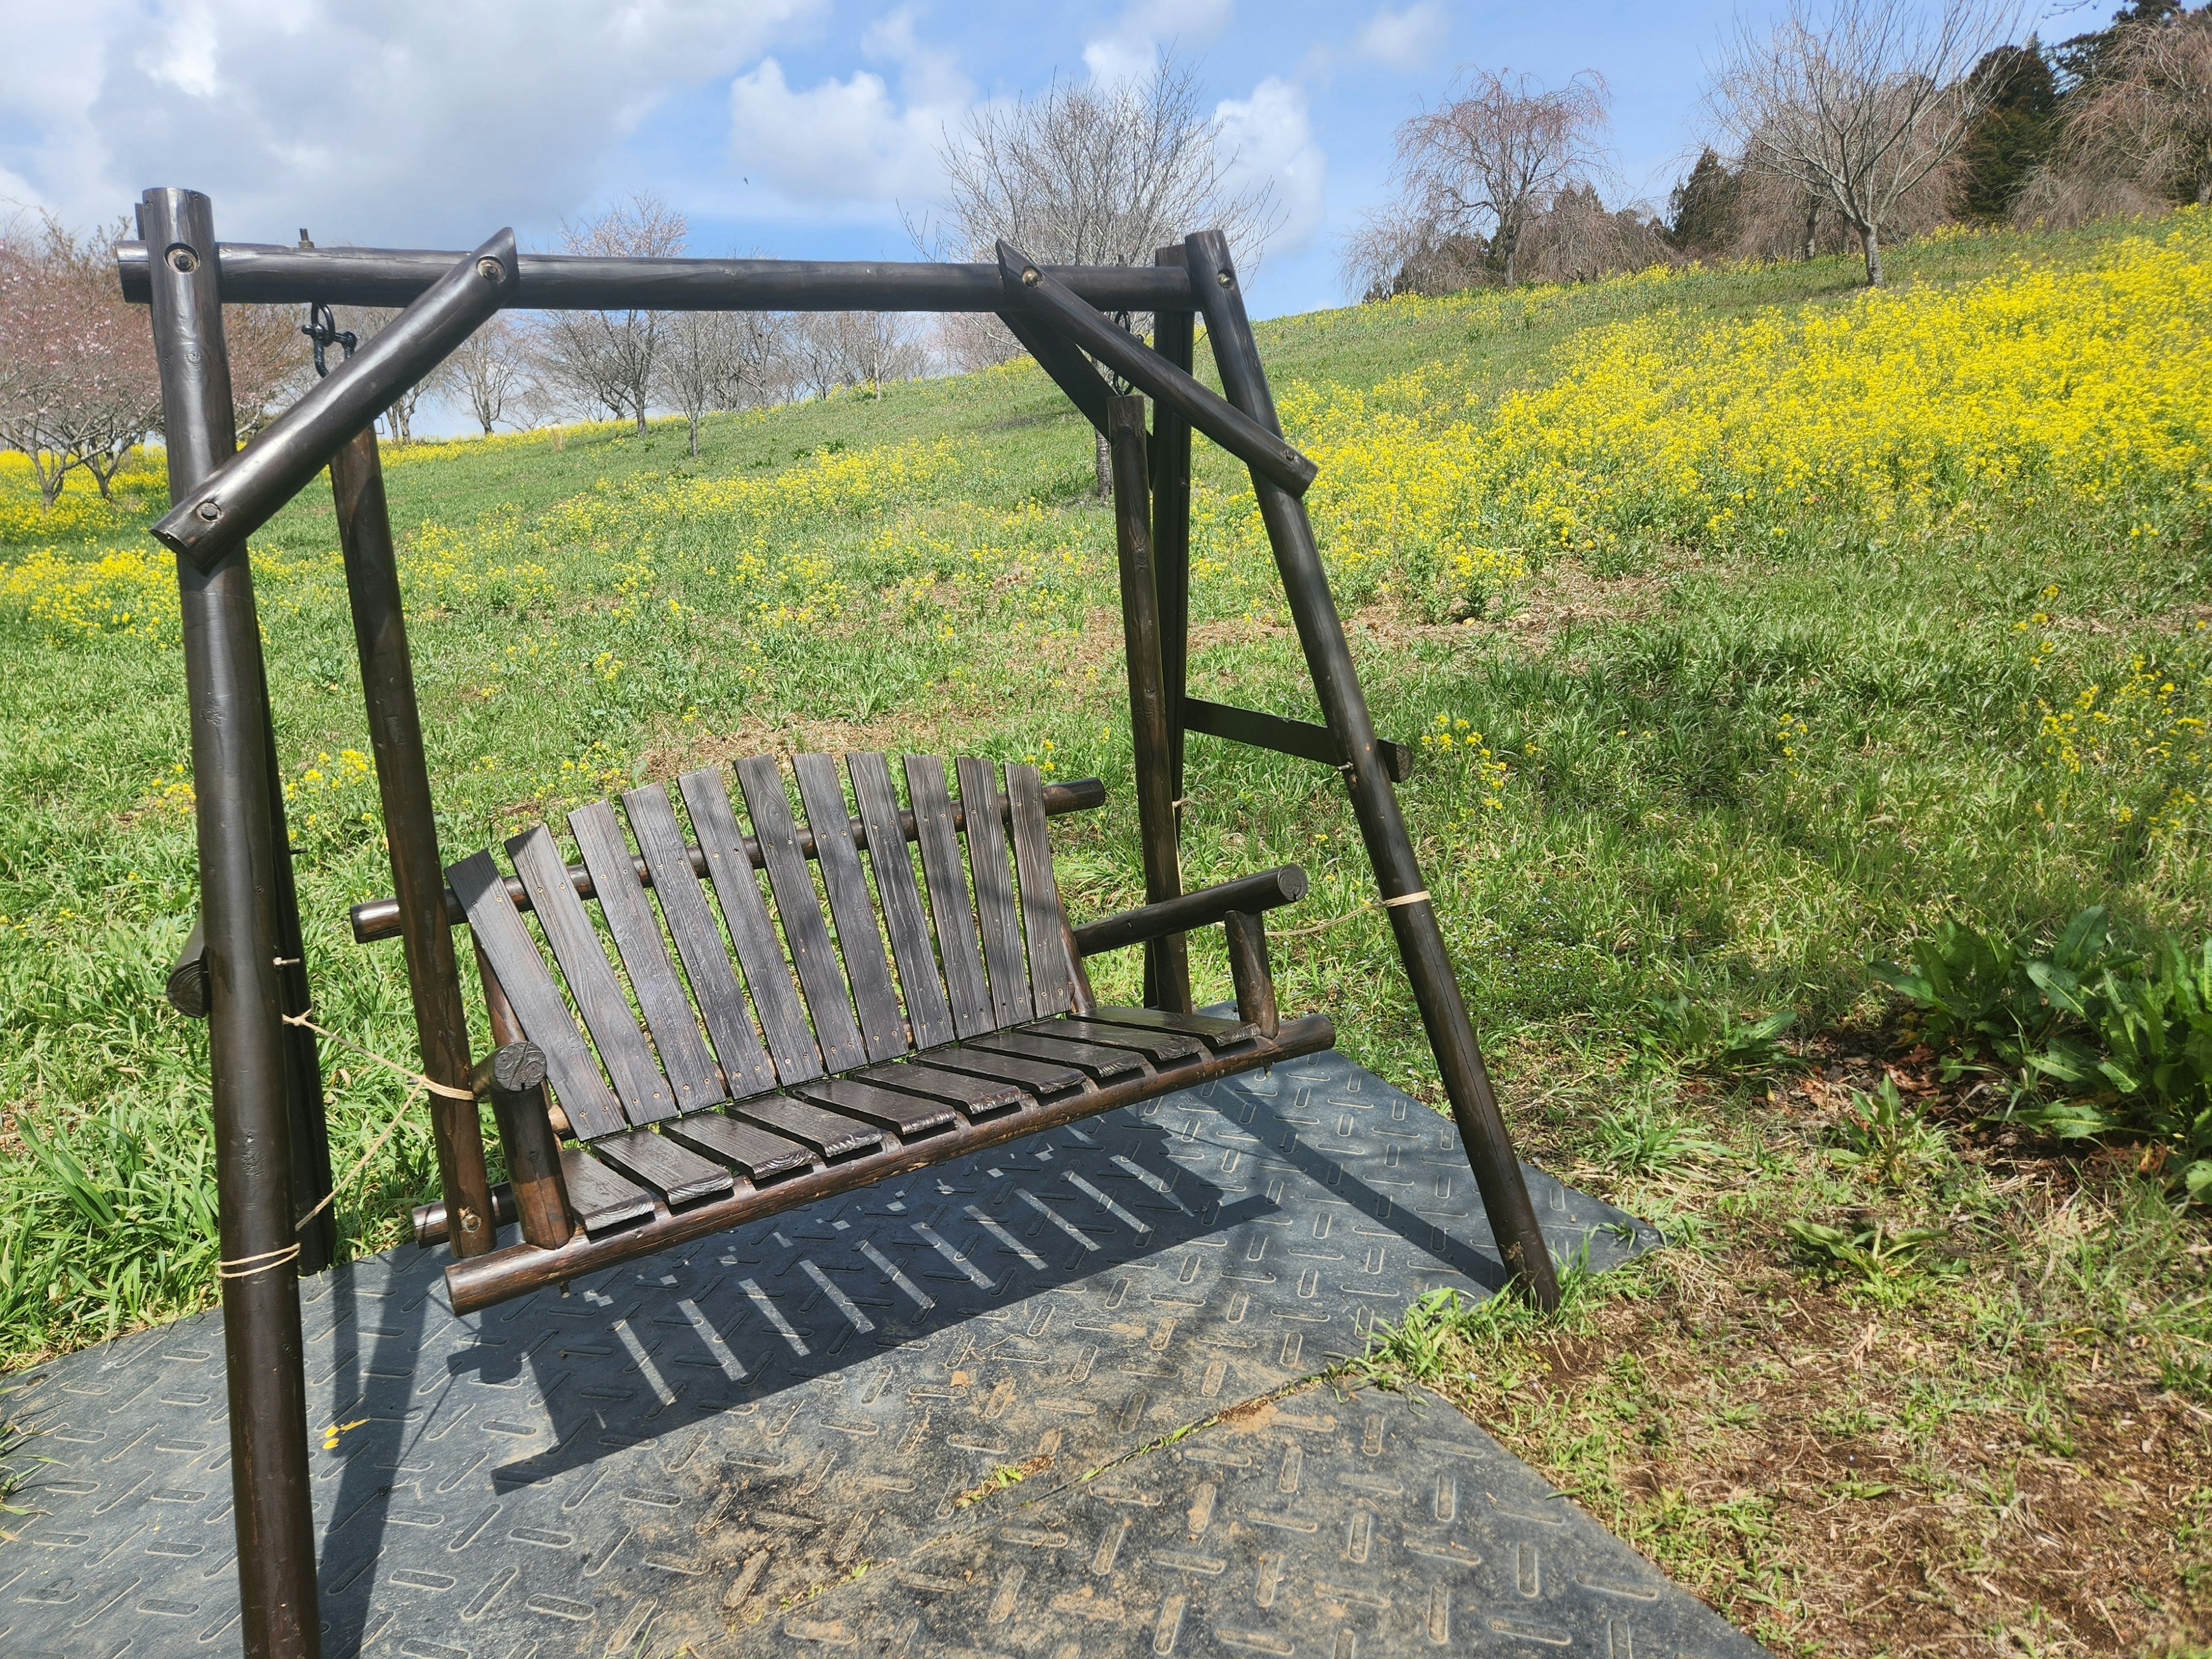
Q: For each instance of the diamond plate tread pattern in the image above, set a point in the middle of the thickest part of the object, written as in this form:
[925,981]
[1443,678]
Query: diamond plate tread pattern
[676,1449]
[1334,1524]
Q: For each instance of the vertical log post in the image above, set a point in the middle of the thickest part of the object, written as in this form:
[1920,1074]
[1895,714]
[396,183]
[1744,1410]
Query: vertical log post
[1167,962]
[1248,968]
[1413,918]
[1174,337]
[410,829]
[238,855]
[526,1132]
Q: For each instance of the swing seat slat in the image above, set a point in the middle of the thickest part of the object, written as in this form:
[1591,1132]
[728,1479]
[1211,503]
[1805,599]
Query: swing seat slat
[730,1051]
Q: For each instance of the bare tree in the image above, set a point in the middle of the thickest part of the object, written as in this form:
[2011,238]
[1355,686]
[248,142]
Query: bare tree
[270,364]
[1394,250]
[837,349]
[1577,238]
[1862,104]
[967,340]
[717,360]
[491,371]
[78,384]
[1488,159]
[1097,174]
[605,360]
[2138,134]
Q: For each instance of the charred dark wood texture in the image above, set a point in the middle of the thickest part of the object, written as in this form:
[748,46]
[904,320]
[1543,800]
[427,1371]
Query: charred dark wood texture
[517,1270]
[245,492]
[238,856]
[1412,919]
[186,987]
[1167,960]
[1071,371]
[536,1191]
[1258,446]
[380,918]
[1250,971]
[252,273]
[1264,891]
[410,831]
[1287,737]
[1174,337]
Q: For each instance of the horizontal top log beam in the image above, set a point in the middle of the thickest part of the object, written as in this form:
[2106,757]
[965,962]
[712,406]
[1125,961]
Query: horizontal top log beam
[255,273]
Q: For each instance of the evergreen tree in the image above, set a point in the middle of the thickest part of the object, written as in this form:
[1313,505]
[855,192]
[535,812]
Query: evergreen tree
[1701,211]
[2015,133]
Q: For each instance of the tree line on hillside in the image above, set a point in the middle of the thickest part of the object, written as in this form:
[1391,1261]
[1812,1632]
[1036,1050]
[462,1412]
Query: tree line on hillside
[1839,129]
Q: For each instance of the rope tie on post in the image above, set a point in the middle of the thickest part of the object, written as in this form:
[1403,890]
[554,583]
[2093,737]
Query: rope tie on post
[1421,897]
[245,1266]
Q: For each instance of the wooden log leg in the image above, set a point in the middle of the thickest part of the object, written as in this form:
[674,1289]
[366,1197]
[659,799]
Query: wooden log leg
[1167,964]
[533,1154]
[410,830]
[1249,968]
[1174,338]
[256,1226]
[1413,918]
[303,1066]
[527,1133]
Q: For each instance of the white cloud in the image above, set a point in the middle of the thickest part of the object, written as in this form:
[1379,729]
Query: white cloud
[419,119]
[1127,50]
[840,142]
[1410,40]
[1273,140]
[851,142]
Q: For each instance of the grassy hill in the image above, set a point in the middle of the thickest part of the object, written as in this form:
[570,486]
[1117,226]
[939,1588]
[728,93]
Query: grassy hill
[1750,627]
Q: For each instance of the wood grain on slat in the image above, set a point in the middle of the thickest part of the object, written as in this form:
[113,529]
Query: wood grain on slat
[1048,1079]
[977,1097]
[928,1013]
[1162,1048]
[690,1070]
[908,1117]
[645,1094]
[680,1175]
[498,928]
[1095,1059]
[1223,1035]
[948,895]
[783,1021]
[860,938]
[745,1064]
[602,1200]
[805,933]
[1010,1003]
[762,1156]
[831,1136]
[1051,985]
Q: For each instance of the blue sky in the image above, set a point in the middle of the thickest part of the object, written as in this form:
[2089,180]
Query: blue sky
[803,127]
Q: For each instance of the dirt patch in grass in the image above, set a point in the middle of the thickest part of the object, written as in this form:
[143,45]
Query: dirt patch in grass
[2004,1447]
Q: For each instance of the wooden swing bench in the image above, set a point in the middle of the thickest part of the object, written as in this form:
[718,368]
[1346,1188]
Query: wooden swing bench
[673,1115]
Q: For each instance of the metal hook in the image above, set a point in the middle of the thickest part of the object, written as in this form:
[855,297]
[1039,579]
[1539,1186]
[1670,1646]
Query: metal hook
[322,328]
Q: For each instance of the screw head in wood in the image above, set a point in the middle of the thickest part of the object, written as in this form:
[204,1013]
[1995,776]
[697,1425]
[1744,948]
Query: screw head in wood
[1224,279]
[490,269]
[209,511]
[183,260]
[1031,276]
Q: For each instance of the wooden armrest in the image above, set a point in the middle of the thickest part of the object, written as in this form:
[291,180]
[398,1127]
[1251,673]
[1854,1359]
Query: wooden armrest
[1249,894]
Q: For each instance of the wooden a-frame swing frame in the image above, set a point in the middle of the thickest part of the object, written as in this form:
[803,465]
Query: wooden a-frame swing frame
[245,971]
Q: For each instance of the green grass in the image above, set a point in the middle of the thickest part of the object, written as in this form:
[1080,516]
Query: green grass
[1661,873]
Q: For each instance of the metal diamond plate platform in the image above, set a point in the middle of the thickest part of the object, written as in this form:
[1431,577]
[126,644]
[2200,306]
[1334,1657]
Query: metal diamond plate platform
[681,1452]
[1327,1523]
